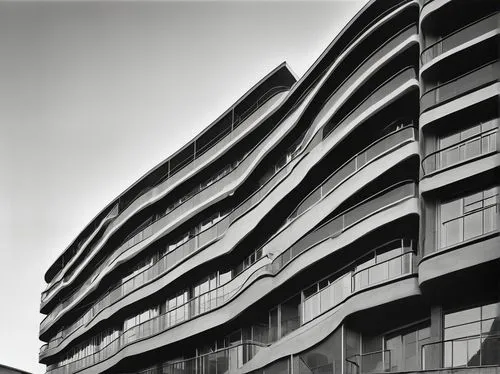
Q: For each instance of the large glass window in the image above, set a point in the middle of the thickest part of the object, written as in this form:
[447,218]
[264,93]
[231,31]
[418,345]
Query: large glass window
[472,336]
[467,217]
[405,348]
[468,143]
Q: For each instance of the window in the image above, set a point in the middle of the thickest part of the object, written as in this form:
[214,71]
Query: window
[468,217]
[472,336]
[468,143]
[405,348]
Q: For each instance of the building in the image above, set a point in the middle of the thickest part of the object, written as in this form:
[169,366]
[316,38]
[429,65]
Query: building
[4,369]
[347,221]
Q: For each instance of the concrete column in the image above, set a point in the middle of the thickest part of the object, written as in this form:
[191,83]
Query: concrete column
[433,354]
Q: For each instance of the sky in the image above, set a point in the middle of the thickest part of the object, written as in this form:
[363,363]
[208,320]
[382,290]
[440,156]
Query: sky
[94,94]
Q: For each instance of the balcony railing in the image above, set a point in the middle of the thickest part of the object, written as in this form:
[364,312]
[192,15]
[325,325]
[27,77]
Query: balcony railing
[374,151]
[241,208]
[381,91]
[471,147]
[200,240]
[185,249]
[149,231]
[470,81]
[366,363]
[349,82]
[221,295]
[169,260]
[382,200]
[218,362]
[199,305]
[477,350]
[175,175]
[384,271]
[352,282]
[460,36]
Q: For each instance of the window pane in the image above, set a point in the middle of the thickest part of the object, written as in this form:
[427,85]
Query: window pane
[490,311]
[464,316]
[473,225]
[451,232]
[449,140]
[473,202]
[449,157]
[451,209]
[490,354]
[462,331]
[395,345]
[470,149]
[470,132]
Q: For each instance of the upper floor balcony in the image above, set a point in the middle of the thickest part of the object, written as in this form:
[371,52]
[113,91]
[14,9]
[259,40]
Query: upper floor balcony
[211,300]
[461,85]
[461,36]
[163,264]
[217,137]
[462,147]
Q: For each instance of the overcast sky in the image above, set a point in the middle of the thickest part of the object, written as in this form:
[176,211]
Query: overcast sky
[94,94]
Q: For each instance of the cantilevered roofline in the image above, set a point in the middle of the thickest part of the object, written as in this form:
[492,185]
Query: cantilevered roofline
[289,79]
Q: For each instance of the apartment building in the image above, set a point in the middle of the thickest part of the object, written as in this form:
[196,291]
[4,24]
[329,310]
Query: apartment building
[346,221]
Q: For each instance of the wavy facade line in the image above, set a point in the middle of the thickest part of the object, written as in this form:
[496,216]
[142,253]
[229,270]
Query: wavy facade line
[343,222]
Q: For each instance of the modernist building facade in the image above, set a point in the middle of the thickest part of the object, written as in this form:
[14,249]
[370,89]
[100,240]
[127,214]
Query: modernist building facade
[343,222]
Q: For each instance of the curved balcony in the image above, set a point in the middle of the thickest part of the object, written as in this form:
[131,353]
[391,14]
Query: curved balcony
[263,106]
[377,21]
[219,362]
[461,85]
[205,237]
[163,264]
[113,213]
[222,295]
[374,151]
[378,149]
[397,44]
[467,149]
[335,226]
[166,262]
[459,37]
[384,90]
[363,33]
[329,297]
[353,281]
[388,86]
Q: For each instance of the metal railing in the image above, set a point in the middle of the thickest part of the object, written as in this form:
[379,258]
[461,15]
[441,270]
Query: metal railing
[476,350]
[221,295]
[372,362]
[380,272]
[320,75]
[93,277]
[201,304]
[460,85]
[218,362]
[381,200]
[474,145]
[382,90]
[352,282]
[460,36]
[372,152]
[198,241]
[236,213]
[366,64]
